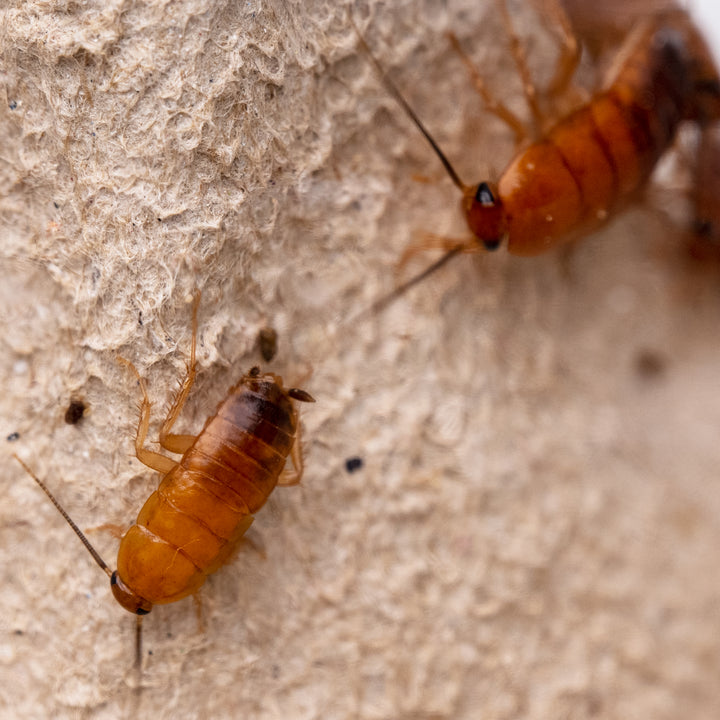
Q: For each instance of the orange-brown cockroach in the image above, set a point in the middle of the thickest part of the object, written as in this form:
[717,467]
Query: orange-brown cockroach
[570,175]
[193,522]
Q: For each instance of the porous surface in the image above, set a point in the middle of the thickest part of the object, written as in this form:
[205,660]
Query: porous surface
[534,530]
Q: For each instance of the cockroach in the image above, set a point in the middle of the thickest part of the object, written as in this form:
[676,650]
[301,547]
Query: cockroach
[190,526]
[569,176]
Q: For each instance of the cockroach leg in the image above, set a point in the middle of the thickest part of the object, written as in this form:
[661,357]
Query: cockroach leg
[492,105]
[152,459]
[518,54]
[292,476]
[555,18]
[181,443]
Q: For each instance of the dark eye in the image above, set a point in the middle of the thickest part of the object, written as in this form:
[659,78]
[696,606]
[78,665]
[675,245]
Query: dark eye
[484,196]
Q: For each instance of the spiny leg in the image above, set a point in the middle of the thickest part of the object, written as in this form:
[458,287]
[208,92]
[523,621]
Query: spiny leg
[152,459]
[518,54]
[552,12]
[491,104]
[173,442]
[553,15]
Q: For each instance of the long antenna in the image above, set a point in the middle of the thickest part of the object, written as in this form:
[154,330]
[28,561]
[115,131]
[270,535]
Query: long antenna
[390,86]
[393,90]
[69,520]
[383,302]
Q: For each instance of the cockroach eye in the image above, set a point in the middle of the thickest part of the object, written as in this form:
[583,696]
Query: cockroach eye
[484,196]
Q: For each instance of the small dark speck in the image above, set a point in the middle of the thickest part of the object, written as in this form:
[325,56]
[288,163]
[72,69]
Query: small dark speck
[13,105]
[56,205]
[650,364]
[12,437]
[18,632]
[149,652]
[701,227]
[75,412]
[275,671]
[140,320]
[211,80]
[353,463]
[159,219]
[268,341]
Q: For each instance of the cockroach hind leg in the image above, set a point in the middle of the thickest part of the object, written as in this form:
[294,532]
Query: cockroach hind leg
[169,441]
[554,16]
[523,68]
[492,104]
[150,458]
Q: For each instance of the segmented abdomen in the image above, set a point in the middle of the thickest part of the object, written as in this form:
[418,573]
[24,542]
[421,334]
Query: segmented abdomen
[191,524]
[599,156]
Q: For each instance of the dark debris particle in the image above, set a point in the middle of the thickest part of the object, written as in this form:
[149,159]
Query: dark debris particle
[353,463]
[268,340]
[13,105]
[12,437]
[75,411]
[649,364]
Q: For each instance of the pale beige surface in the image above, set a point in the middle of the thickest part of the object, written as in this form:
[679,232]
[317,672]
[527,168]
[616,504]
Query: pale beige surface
[535,531]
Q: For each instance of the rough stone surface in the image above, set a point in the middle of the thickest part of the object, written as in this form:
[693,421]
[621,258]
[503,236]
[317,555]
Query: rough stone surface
[534,531]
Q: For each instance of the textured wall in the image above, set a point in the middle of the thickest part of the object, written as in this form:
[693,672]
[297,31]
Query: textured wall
[534,533]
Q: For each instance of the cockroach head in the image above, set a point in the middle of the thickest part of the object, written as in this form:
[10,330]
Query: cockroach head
[128,598]
[485,215]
